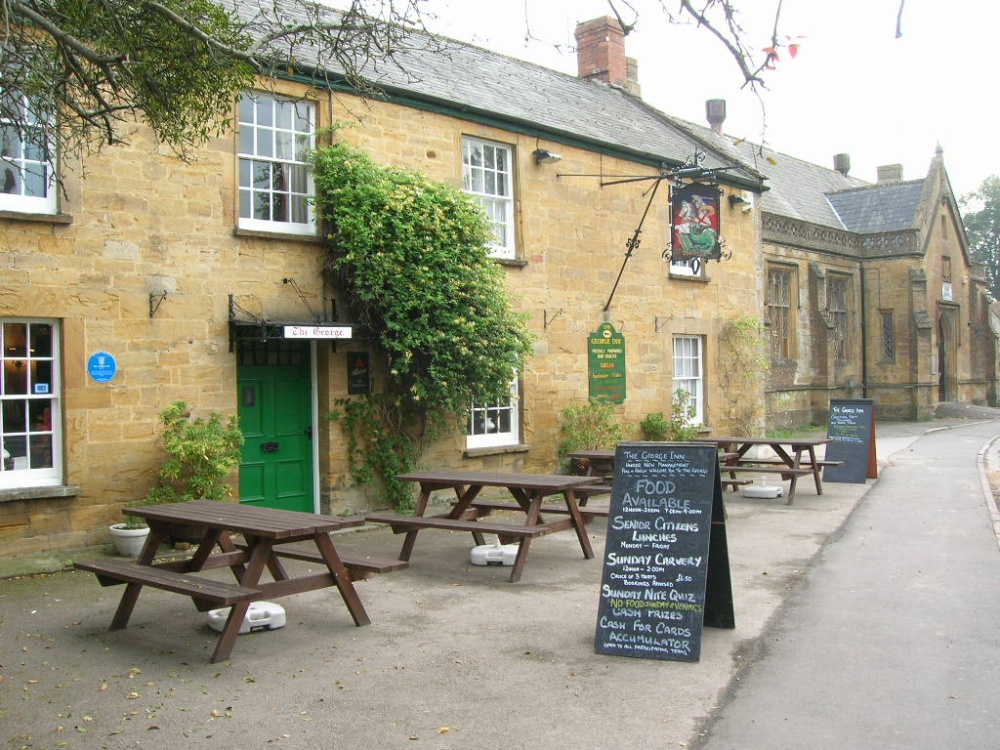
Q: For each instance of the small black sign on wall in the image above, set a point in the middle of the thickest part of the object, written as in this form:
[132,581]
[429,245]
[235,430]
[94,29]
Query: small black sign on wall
[358,373]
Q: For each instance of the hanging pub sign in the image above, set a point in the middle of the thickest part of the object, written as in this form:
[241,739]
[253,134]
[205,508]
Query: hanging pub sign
[694,216]
[606,350]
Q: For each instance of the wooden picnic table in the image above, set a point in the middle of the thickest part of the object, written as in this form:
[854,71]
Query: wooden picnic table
[264,531]
[600,463]
[793,457]
[528,490]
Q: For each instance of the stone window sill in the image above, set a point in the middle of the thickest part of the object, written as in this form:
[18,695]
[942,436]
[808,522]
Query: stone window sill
[495,450]
[38,218]
[18,494]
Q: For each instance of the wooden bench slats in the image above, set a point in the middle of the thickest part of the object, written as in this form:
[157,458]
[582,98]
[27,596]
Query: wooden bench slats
[788,470]
[778,462]
[206,592]
[400,523]
[583,491]
[588,512]
[359,567]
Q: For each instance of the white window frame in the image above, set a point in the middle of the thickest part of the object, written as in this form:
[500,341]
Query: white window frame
[483,430]
[15,358]
[275,137]
[488,174]
[689,374]
[693,267]
[25,159]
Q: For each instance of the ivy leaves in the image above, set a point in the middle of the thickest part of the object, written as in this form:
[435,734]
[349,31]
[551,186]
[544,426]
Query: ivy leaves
[412,255]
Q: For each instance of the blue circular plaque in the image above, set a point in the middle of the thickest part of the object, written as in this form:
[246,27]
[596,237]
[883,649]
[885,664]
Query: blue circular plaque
[101,367]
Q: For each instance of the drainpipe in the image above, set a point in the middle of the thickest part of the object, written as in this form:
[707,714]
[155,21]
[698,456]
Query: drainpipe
[864,335]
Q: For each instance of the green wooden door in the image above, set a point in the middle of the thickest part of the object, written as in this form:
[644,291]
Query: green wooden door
[276,420]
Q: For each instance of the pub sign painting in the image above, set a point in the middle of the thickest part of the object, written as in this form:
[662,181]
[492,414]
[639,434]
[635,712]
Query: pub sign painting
[606,359]
[695,219]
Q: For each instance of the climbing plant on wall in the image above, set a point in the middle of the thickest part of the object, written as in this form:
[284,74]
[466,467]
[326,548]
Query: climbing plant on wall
[743,369]
[411,254]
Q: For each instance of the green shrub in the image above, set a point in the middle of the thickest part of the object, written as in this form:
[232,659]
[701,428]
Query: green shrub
[201,454]
[590,426]
[657,428]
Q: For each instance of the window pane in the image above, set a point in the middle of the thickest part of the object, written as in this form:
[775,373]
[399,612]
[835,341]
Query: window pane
[283,145]
[496,423]
[303,144]
[15,339]
[283,115]
[280,138]
[28,404]
[265,111]
[265,143]
[246,140]
[35,180]
[10,143]
[487,173]
[298,179]
[247,108]
[11,180]
[279,207]
[300,209]
[262,175]
[246,200]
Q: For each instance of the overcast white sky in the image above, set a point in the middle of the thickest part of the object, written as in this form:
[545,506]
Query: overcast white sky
[854,87]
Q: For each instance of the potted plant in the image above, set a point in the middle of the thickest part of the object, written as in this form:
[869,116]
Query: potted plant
[129,536]
[202,452]
[592,426]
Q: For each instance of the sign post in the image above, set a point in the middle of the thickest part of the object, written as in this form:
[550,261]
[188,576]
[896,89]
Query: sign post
[666,561]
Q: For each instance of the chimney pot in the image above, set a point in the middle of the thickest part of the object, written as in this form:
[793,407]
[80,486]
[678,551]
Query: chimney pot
[715,112]
[842,163]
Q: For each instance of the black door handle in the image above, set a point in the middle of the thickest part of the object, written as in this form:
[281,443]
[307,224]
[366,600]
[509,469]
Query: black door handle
[270,447]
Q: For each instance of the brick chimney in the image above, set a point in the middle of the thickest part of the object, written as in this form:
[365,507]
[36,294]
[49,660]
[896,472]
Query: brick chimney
[890,173]
[600,54]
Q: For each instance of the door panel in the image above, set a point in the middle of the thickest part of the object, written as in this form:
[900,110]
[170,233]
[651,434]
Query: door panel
[276,419]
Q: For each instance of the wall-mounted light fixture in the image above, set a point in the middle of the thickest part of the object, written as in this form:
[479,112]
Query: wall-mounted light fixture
[738,201]
[544,156]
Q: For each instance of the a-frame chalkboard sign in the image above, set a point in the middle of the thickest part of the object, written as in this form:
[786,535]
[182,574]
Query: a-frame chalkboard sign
[851,432]
[666,559]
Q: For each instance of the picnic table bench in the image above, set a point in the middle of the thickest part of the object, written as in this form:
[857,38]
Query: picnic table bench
[263,531]
[793,458]
[528,490]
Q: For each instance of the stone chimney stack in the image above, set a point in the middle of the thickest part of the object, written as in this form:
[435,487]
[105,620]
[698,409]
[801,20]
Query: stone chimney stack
[842,163]
[715,112]
[600,54]
[890,173]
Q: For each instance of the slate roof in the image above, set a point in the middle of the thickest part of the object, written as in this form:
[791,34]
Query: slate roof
[879,208]
[478,84]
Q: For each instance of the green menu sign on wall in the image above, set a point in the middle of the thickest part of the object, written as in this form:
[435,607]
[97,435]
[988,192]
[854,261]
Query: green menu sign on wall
[606,349]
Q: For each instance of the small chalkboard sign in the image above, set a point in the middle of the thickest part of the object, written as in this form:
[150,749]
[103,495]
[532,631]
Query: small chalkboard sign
[666,559]
[851,432]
